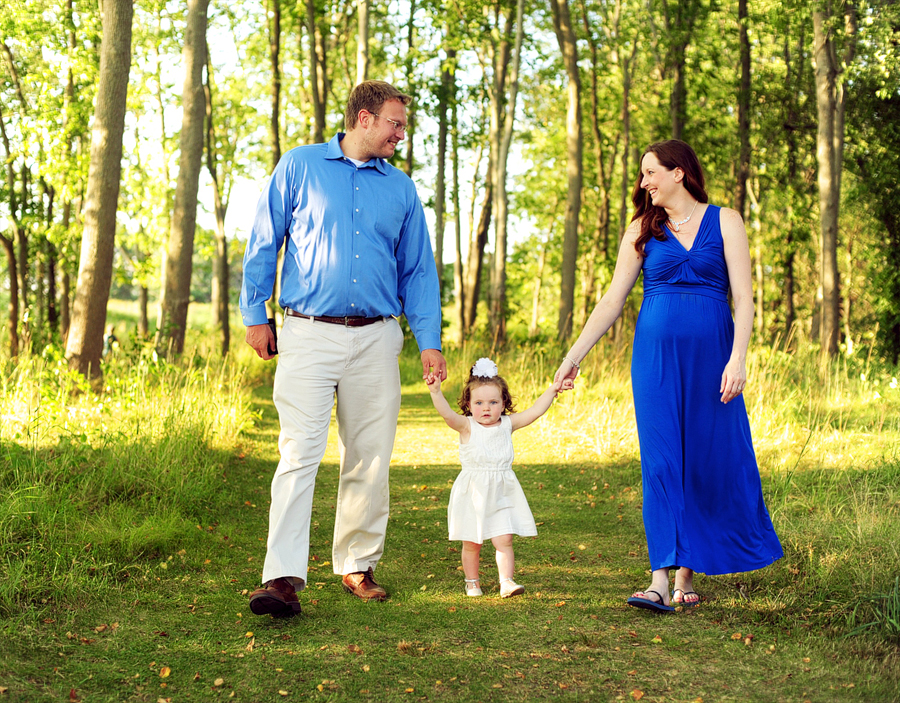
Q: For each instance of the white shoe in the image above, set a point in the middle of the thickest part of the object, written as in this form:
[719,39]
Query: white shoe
[508,588]
[472,588]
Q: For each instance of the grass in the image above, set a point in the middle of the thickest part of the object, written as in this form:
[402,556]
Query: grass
[131,534]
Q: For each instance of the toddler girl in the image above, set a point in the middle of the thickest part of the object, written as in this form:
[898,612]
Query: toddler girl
[486,501]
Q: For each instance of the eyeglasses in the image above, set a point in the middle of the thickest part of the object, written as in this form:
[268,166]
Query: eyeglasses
[398,126]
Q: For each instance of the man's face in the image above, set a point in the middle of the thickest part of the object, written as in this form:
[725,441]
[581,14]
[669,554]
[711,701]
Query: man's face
[385,131]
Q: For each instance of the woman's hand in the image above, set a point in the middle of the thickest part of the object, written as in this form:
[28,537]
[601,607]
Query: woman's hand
[734,378]
[565,375]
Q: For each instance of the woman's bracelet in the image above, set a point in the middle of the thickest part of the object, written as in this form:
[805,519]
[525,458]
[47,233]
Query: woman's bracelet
[574,363]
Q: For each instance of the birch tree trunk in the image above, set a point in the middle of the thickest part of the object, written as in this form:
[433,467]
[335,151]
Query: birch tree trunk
[84,344]
[176,284]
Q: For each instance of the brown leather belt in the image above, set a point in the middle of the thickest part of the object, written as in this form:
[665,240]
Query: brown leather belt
[349,321]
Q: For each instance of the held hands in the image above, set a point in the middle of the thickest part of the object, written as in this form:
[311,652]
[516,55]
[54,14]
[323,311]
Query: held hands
[565,375]
[734,378]
[433,364]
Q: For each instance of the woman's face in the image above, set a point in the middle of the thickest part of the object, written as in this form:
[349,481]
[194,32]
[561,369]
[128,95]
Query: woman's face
[658,181]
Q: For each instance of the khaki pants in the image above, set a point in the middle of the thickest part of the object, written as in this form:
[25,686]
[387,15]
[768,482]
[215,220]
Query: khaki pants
[317,362]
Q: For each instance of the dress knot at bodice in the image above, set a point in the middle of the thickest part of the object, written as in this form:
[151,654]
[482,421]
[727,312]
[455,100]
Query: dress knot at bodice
[669,268]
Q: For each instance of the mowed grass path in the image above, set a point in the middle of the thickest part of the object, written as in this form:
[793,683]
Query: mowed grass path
[179,629]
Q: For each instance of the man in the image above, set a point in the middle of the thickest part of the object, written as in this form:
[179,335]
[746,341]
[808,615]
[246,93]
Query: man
[358,255]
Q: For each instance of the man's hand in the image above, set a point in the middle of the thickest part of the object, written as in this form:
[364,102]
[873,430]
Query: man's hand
[433,362]
[260,337]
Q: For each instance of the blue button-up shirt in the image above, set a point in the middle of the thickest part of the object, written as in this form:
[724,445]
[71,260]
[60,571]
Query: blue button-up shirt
[358,243]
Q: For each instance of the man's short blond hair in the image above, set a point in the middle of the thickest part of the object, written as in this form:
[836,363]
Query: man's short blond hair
[370,96]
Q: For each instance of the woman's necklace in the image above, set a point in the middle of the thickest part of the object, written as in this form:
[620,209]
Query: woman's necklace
[677,225]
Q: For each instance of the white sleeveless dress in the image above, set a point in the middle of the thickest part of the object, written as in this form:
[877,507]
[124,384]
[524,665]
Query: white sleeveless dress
[486,499]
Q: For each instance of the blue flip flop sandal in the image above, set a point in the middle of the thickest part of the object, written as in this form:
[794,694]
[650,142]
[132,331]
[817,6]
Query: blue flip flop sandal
[647,604]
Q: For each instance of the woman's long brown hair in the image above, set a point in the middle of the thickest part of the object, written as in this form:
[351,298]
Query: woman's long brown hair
[672,153]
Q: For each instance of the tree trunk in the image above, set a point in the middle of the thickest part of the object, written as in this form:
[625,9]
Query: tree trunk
[362,41]
[565,35]
[12,319]
[275,63]
[505,119]
[476,253]
[458,273]
[143,325]
[740,193]
[830,102]
[220,261]
[176,287]
[444,98]
[84,344]
[409,162]
[534,327]
[317,71]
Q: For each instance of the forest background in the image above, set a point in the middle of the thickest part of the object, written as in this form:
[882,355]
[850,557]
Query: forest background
[528,123]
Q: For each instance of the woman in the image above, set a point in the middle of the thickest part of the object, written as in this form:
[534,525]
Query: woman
[703,507]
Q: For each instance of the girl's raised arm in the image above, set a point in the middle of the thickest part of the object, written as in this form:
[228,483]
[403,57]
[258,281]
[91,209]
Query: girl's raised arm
[541,405]
[453,419]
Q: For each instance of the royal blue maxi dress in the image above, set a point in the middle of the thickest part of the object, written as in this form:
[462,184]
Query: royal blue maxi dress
[703,505]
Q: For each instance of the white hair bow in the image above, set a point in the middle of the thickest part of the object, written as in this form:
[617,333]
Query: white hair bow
[484,368]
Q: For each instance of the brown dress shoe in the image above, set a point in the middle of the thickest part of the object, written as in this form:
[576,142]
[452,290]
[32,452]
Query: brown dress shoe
[277,598]
[362,585]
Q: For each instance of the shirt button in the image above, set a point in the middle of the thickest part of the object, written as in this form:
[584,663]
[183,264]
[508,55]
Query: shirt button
[357,256]
[357,187]
[352,305]
[354,280]
[357,231]
[357,209]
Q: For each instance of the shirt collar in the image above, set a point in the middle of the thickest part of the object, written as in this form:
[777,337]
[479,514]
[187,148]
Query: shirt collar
[335,152]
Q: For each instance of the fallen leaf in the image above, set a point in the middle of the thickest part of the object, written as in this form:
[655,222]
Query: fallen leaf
[249,634]
[737,636]
[164,672]
[320,687]
[560,604]
[806,660]
[218,682]
[633,672]
[355,648]
[637,695]
[748,640]
[410,690]
[197,676]
[451,609]
[100,628]
[365,667]
[282,693]
[72,695]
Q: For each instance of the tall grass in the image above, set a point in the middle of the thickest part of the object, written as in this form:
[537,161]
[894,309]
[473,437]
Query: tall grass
[97,483]
[97,486]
